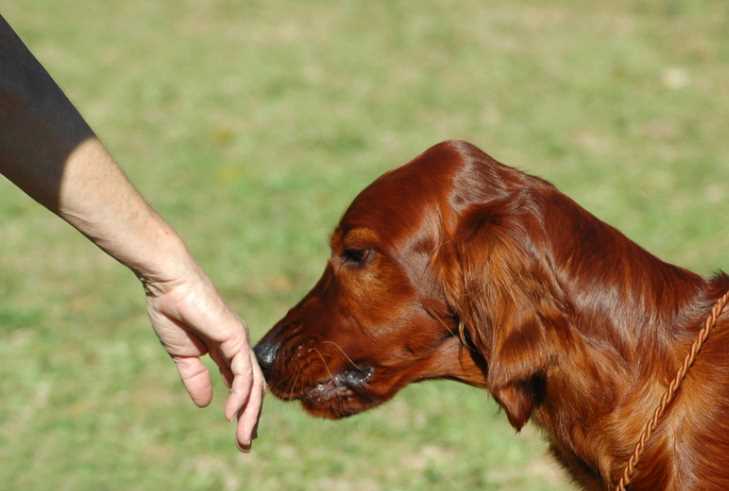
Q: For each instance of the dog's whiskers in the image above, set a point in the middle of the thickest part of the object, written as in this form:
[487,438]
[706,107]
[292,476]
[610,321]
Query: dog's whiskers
[326,365]
[294,379]
[349,358]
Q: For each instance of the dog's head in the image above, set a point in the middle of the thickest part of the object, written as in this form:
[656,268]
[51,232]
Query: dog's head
[418,286]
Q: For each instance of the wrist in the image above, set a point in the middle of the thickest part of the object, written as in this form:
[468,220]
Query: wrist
[168,264]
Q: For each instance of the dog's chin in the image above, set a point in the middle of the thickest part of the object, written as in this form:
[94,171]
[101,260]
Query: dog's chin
[338,408]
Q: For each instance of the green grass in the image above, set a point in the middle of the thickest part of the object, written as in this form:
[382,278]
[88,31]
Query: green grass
[250,126]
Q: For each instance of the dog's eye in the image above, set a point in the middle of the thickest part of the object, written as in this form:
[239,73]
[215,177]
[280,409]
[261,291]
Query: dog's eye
[356,257]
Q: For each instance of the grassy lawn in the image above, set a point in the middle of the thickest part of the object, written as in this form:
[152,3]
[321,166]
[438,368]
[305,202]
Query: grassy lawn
[251,126]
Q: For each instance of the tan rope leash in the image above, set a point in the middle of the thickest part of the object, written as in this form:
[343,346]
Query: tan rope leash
[670,393]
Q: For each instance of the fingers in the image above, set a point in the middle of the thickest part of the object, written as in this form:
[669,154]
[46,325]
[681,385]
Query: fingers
[246,394]
[248,418]
[223,367]
[196,378]
[247,387]
[240,389]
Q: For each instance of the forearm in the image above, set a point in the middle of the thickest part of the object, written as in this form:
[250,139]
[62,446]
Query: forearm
[97,199]
[48,150]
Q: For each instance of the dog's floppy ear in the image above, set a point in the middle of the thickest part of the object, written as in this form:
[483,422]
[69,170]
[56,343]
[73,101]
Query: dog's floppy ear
[507,299]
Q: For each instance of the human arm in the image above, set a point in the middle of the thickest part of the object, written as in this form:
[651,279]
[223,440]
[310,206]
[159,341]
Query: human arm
[48,150]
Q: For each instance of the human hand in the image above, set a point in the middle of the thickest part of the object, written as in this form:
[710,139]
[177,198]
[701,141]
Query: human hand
[191,320]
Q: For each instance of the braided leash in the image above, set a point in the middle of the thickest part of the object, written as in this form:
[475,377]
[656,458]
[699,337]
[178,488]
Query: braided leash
[670,393]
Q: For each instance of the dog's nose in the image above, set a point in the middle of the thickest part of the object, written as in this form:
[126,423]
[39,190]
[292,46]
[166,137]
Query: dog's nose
[266,354]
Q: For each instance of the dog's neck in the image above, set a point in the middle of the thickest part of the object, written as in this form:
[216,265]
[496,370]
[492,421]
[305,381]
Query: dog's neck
[629,321]
[580,327]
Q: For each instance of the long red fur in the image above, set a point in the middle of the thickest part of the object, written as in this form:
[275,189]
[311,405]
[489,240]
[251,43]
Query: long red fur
[572,324]
[583,330]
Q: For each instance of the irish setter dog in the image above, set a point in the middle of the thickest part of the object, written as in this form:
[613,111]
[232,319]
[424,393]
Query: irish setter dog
[456,266]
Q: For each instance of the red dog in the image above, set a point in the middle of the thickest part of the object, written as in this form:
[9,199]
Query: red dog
[455,266]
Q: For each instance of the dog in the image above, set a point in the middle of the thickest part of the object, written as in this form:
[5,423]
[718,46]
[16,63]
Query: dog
[456,266]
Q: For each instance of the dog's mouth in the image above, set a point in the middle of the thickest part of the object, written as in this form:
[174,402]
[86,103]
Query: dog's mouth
[341,395]
[348,382]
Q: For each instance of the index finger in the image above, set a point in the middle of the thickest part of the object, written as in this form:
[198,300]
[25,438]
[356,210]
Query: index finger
[248,417]
[240,389]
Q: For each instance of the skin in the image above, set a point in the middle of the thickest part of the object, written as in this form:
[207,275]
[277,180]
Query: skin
[50,152]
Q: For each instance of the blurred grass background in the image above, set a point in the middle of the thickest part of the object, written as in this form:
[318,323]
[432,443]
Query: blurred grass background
[250,126]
